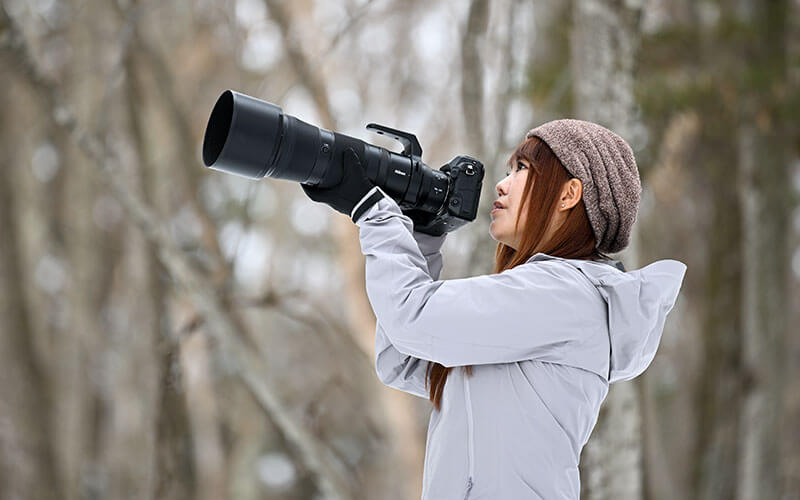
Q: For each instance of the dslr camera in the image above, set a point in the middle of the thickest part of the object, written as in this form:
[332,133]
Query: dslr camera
[254,138]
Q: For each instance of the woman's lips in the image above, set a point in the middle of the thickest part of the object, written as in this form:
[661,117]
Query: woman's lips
[496,210]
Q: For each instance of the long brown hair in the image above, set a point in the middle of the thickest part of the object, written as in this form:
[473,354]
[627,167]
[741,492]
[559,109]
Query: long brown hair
[573,240]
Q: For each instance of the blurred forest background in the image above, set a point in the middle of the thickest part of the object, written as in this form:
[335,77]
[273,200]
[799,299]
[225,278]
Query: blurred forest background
[172,332]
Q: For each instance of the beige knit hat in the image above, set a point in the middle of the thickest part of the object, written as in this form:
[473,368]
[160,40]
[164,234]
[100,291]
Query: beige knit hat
[604,163]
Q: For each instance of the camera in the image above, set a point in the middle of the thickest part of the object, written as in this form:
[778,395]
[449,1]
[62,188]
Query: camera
[253,138]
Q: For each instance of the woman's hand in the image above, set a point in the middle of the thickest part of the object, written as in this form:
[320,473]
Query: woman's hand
[349,193]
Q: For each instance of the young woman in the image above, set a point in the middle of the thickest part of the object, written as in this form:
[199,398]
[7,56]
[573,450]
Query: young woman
[538,341]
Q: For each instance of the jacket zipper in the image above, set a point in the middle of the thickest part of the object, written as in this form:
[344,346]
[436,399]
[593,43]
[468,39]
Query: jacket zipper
[470,447]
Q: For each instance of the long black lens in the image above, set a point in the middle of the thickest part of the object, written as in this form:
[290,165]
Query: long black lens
[254,138]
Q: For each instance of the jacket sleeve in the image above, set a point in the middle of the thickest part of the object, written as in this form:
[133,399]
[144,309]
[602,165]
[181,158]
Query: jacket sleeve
[534,311]
[394,368]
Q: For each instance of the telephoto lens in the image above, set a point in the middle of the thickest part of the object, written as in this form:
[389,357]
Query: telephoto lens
[253,138]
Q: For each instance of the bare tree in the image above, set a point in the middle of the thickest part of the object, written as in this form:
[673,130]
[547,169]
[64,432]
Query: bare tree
[604,41]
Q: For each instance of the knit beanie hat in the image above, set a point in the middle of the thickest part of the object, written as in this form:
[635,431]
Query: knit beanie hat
[604,163]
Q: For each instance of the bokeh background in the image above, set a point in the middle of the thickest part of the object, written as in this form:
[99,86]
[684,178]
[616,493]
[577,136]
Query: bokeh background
[168,331]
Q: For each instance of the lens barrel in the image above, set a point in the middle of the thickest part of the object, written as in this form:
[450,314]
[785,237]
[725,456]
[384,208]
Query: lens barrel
[254,138]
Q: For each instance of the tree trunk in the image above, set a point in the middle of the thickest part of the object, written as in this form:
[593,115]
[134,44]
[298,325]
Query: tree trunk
[764,194]
[27,459]
[603,45]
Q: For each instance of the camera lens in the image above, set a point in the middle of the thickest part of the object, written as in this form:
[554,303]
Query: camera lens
[254,138]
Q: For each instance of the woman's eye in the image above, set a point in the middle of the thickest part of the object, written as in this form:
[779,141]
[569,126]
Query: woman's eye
[520,166]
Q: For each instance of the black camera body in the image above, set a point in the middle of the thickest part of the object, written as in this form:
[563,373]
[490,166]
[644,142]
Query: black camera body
[461,202]
[254,138]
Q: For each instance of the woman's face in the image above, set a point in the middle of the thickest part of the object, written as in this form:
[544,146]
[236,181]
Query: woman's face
[509,196]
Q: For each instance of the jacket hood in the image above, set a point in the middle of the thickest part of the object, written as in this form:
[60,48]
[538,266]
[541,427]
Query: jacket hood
[638,302]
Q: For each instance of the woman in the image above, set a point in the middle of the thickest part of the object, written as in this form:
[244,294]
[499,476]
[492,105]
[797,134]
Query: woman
[537,341]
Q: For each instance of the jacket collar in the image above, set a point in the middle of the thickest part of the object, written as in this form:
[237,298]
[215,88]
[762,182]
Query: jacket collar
[543,256]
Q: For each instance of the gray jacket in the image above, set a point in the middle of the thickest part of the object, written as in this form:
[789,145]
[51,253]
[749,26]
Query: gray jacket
[545,339]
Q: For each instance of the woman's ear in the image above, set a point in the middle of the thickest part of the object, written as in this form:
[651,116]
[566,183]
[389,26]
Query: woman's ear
[572,192]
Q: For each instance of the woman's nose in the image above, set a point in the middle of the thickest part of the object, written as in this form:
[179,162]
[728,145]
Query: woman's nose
[499,187]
